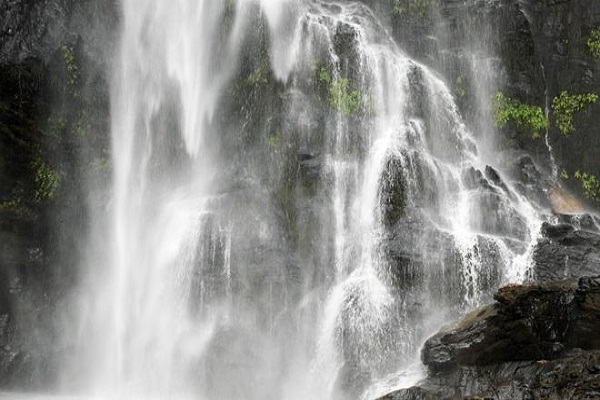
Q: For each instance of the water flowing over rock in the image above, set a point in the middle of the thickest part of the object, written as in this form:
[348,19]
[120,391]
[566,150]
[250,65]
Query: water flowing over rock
[280,199]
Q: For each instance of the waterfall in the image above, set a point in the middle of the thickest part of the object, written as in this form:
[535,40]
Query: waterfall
[296,204]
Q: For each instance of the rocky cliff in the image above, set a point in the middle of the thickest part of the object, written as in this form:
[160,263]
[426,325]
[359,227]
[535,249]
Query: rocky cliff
[54,114]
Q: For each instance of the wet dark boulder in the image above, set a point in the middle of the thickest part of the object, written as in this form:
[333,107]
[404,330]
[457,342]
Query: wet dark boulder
[526,323]
[536,341]
[566,252]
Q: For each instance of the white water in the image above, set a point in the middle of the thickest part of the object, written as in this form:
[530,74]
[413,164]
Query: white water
[203,297]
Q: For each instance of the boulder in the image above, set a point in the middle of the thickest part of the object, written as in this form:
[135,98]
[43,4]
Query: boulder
[536,341]
[567,252]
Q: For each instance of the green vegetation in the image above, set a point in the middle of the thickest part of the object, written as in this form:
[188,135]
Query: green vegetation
[70,64]
[526,117]
[593,42]
[416,8]
[564,174]
[459,87]
[272,139]
[341,95]
[565,105]
[259,76]
[46,180]
[590,185]
[343,98]
[324,75]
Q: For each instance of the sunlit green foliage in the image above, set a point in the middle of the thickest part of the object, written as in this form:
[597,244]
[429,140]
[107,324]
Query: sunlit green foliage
[593,42]
[565,105]
[590,185]
[526,117]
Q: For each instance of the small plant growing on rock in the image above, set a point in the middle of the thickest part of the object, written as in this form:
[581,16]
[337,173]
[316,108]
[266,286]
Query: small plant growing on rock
[525,116]
[343,98]
[459,86]
[593,42]
[46,180]
[257,77]
[565,105]
[590,185]
[70,64]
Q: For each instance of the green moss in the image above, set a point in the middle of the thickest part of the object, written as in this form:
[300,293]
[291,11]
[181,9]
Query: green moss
[565,105]
[526,117]
[593,42]
[257,77]
[272,139]
[46,180]
[324,75]
[15,206]
[71,65]
[413,8]
[589,184]
[459,87]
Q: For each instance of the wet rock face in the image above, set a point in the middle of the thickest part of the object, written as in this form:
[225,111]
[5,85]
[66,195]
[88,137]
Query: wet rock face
[536,341]
[53,112]
[568,250]
[527,323]
[574,376]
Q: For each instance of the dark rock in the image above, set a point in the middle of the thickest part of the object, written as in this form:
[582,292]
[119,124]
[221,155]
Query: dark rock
[556,231]
[493,176]
[527,323]
[537,341]
[566,253]
[393,192]
[569,377]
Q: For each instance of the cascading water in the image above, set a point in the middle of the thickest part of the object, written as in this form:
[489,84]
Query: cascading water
[292,212]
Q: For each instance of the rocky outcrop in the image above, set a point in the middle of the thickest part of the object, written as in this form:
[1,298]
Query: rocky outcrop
[536,341]
[569,249]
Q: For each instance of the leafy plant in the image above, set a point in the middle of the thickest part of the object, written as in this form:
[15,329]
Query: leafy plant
[593,42]
[590,185]
[565,105]
[564,174]
[525,116]
[342,97]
